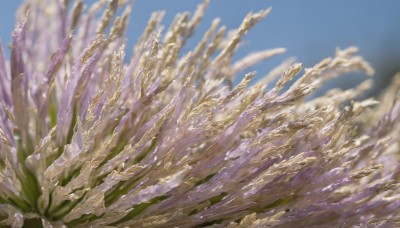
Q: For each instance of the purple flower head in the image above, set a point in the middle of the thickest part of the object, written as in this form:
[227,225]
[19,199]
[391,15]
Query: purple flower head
[166,139]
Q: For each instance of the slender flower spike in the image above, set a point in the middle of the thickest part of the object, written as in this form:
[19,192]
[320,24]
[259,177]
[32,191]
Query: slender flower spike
[166,139]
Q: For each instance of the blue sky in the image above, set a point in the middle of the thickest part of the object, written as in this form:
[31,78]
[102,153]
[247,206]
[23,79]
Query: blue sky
[310,30]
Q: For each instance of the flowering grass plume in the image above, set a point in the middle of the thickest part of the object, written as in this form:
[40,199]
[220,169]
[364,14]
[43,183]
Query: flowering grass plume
[166,139]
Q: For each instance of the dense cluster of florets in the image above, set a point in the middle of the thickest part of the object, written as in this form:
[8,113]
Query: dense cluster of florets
[168,140]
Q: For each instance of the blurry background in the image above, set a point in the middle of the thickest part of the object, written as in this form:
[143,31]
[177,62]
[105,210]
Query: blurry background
[310,30]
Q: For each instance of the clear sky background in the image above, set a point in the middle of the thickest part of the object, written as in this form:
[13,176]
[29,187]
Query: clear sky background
[309,29]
